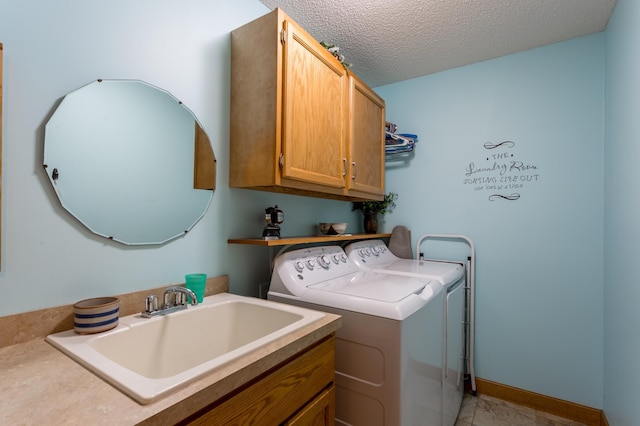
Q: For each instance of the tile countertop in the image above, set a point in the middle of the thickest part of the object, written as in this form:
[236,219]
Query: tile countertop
[41,385]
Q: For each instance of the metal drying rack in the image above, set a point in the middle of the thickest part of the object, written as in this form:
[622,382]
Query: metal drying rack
[470,299]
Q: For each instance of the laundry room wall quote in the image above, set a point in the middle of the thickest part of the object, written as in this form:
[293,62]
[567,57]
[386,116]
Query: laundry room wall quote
[501,173]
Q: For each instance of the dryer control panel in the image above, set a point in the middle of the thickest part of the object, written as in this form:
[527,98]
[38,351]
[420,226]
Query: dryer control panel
[370,254]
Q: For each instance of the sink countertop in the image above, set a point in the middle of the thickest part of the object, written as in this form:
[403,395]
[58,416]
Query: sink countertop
[41,385]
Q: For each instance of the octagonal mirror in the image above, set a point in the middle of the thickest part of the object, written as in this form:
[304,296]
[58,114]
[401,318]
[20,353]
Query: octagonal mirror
[123,158]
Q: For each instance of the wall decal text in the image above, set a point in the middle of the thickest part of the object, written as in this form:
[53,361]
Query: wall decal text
[501,172]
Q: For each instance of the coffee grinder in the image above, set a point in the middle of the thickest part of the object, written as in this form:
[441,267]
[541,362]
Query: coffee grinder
[274,217]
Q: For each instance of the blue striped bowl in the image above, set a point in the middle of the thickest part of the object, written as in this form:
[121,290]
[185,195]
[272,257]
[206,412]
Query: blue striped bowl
[96,315]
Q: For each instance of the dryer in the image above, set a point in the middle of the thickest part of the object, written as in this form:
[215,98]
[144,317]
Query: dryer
[388,350]
[373,256]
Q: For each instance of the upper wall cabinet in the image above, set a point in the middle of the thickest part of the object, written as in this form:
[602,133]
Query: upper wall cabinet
[300,123]
[366,138]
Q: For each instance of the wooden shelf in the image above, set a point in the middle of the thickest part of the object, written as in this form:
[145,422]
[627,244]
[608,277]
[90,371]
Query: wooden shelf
[305,240]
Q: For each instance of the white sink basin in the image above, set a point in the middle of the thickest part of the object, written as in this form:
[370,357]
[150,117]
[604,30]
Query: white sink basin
[149,357]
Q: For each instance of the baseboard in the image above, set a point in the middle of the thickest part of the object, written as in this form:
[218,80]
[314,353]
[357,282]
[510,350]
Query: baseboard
[569,410]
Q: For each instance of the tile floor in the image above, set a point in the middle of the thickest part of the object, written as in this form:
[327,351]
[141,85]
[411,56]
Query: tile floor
[484,410]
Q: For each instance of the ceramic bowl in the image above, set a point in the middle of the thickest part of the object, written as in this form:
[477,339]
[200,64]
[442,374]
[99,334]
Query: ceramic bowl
[96,315]
[328,228]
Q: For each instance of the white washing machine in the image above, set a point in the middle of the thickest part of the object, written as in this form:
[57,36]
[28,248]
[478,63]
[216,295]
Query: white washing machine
[389,348]
[374,256]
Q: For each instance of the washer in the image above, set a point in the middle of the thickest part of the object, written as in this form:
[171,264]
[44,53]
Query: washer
[374,256]
[388,350]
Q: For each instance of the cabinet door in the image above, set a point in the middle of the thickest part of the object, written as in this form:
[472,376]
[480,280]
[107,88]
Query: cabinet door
[319,412]
[314,111]
[285,393]
[366,138]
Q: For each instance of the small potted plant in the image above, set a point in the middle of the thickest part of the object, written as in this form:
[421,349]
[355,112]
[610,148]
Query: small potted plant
[371,210]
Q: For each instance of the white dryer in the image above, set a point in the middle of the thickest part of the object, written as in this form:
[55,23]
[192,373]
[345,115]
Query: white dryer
[388,350]
[374,256]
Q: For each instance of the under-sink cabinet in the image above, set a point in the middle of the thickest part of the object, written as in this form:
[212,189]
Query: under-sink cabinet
[300,122]
[301,391]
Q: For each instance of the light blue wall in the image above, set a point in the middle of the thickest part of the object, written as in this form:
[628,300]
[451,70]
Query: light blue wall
[52,48]
[540,262]
[539,311]
[622,213]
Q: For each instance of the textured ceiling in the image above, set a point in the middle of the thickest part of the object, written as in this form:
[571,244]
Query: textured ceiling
[394,40]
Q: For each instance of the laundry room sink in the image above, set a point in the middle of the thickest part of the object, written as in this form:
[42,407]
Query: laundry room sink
[149,357]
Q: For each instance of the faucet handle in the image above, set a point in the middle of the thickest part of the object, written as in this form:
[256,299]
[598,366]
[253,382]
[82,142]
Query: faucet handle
[168,299]
[151,303]
[181,299]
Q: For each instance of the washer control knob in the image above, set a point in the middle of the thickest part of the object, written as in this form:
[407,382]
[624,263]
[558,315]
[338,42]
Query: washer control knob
[335,258]
[299,265]
[311,263]
[367,252]
[343,258]
[375,251]
[324,261]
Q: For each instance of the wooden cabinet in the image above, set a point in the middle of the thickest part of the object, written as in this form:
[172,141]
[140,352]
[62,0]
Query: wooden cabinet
[301,392]
[321,411]
[314,109]
[365,138]
[291,106]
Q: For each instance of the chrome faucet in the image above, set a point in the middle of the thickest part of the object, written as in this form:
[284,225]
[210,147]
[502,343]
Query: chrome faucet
[175,299]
